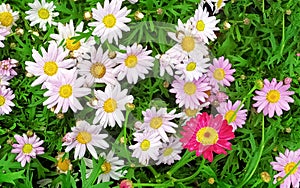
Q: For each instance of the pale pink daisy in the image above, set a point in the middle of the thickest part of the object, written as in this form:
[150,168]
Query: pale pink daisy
[170,151]
[3,33]
[85,136]
[285,164]
[159,122]
[273,97]
[64,91]
[220,73]
[27,148]
[6,67]
[49,65]
[135,63]
[147,147]
[99,69]
[190,94]
[6,97]
[8,17]
[110,20]
[228,109]
[4,80]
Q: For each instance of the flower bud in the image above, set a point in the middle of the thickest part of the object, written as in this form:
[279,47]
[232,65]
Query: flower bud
[87,15]
[126,184]
[246,21]
[60,116]
[288,130]
[29,75]
[166,84]
[159,11]
[112,54]
[129,106]
[211,181]
[226,25]
[259,84]
[287,80]
[243,77]
[288,12]
[138,15]
[29,133]
[19,31]
[265,176]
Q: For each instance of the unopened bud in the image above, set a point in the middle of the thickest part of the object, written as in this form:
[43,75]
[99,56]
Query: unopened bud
[132,165]
[288,130]
[29,133]
[259,84]
[10,141]
[12,45]
[275,148]
[126,184]
[159,11]
[226,25]
[265,176]
[87,15]
[29,75]
[211,181]
[288,12]
[166,84]
[60,116]
[246,21]
[122,140]
[129,106]
[19,31]
[138,15]
[287,81]
[243,77]
[112,54]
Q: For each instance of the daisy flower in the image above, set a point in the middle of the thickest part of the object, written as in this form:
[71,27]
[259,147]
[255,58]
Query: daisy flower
[219,4]
[159,122]
[220,73]
[110,20]
[284,164]
[204,25]
[110,105]
[99,69]
[111,167]
[80,48]
[49,65]
[41,13]
[190,94]
[6,96]
[27,148]
[4,80]
[7,16]
[147,147]
[206,134]
[135,63]
[273,97]
[63,164]
[170,151]
[192,69]
[64,90]
[228,109]
[85,136]
[3,32]
[6,67]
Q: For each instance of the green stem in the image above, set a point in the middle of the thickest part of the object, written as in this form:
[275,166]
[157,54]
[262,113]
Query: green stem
[151,185]
[185,159]
[263,6]
[125,133]
[283,34]
[193,175]
[156,175]
[294,168]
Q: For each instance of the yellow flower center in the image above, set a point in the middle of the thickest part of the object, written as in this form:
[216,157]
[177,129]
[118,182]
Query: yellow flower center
[6,19]
[156,122]
[288,167]
[207,136]
[72,45]
[191,66]
[43,13]
[273,96]
[219,3]
[191,113]
[188,43]
[98,70]
[200,25]
[131,61]
[219,74]
[106,167]
[65,91]
[230,115]
[110,105]
[84,137]
[168,152]
[2,100]
[63,165]
[145,145]
[189,88]
[50,68]
[109,21]
[27,148]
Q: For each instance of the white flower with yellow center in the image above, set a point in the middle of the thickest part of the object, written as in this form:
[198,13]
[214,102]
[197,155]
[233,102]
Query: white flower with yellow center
[170,151]
[218,5]
[63,164]
[86,136]
[41,13]
[147,147]
[6,97]
[7,16]
[110,168]
[110,105]
[110,20]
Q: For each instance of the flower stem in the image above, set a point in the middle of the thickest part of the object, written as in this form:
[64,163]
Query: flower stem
[125,134]
[151,185]
[193,175]
[185,159]
[156,175]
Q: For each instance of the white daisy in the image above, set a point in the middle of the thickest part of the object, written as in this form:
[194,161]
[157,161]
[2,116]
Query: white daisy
[99,69]
[6,97]
[111,20]
[170,151]
[7,16]
[111,167]
[41,13]
[219,4]
[135,63]
[110,105]
[85,136]
[147,147]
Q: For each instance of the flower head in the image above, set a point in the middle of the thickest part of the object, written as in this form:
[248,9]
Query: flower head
[170,151]
[63,164]
[6,68]
[7,16]
[6,97]
[3,32]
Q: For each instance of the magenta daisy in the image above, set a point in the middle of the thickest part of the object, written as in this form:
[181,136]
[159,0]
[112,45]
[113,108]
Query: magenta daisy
[285,164]
[3,32]
[27,148]
[274,97]
[235,120]
[170,151]
[85,136]
[220,73]
[6,97]
[206,134]
[6,67]
[64,90]
[190,94]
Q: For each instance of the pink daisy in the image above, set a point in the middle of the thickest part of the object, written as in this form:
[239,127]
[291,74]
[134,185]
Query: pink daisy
[227,110]
[170,151]
[190,94]
[206,134]
[6,67]
[274,97]
[6,95]
[284,164]
[27,148]
[64,90]
[220,73]
[3,32]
